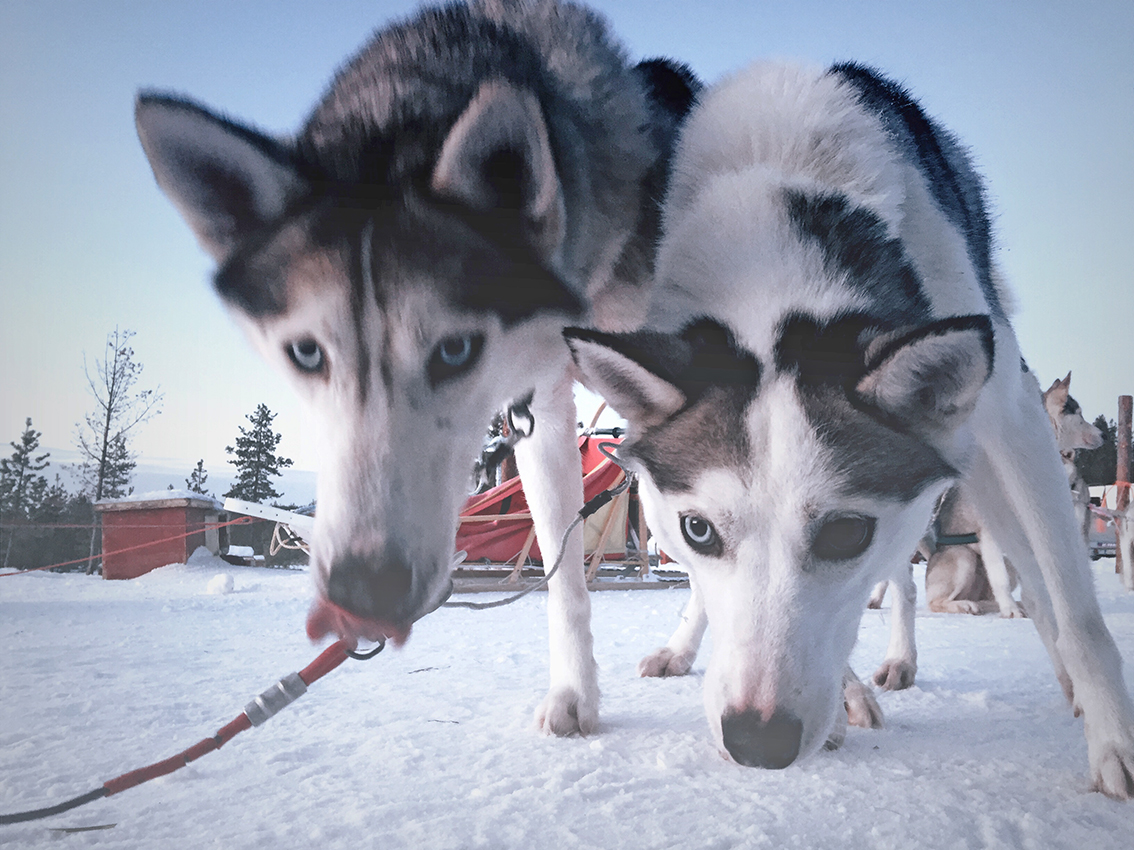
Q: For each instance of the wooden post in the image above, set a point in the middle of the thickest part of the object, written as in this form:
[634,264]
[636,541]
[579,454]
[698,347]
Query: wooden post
[643,535]
[1123,471]
[514,576]
[608,526]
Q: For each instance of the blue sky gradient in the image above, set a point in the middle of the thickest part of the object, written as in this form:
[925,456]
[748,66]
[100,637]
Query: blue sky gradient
[1043,92]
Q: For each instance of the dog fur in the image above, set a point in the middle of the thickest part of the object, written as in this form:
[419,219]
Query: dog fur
[853,360]
[475,179]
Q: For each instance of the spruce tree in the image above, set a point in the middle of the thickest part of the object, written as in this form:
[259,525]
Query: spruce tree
[1098,466]
[21,490]
[256,459]
[197,478]
[118,469]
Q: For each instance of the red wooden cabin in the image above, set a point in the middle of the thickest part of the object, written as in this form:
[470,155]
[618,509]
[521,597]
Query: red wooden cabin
[141,534]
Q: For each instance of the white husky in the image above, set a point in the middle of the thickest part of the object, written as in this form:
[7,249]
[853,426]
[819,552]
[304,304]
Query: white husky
[853,358]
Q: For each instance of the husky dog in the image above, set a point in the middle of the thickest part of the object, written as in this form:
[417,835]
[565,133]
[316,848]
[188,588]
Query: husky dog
[965,571]
[478,177]
[957,578]
[1072,432]
[852,359]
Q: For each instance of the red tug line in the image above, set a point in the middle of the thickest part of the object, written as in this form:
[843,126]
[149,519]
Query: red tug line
[266,705]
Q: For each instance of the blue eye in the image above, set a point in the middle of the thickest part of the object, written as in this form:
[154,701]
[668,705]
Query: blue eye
[455,351]
[700,535]
[454,355]
[306,355]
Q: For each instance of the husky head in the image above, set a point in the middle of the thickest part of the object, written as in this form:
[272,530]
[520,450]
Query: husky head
[788,486]
[410,259]
[1072,430]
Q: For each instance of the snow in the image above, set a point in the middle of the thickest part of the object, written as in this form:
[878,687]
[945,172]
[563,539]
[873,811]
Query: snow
[220,584]
[431,746]
[161,496]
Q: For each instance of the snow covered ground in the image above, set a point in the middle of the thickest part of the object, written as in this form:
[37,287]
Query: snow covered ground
[431,746]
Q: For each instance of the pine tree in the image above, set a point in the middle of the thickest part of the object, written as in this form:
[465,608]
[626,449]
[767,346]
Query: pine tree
[118,469]
[1098,466]
[197,478]
[21,490]
[256,459]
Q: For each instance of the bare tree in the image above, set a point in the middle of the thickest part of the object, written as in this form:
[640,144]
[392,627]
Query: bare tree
[103,439]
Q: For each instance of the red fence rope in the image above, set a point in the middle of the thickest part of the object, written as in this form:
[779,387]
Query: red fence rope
[239,520]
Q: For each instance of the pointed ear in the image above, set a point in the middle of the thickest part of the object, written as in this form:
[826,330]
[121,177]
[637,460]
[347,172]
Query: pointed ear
[616,367]
[498,154]
[226,180]
[929,380]
[1059,389]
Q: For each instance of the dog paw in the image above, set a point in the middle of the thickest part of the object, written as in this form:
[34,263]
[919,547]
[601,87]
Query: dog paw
[895,674]
[565,712]
[863,709]
[664,662]
[1112,773]
[1014,611]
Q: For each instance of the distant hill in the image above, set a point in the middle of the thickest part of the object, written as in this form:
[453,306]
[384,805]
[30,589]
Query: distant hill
[297,485]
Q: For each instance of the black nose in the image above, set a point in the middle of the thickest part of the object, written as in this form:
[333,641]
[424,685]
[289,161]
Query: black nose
[378,587]
[755,742]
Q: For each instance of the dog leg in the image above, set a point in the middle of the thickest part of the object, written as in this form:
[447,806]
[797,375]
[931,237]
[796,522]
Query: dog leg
[1020,485]
[676,657]
[862,708]
[899,668]
[949,581]
[999,579]
[549,465]
[878,594]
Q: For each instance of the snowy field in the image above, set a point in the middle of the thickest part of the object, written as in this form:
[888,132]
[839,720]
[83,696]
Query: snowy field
[431,746]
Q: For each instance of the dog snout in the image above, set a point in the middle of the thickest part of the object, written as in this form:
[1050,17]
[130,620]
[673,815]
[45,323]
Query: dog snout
[377,587]
[755,742]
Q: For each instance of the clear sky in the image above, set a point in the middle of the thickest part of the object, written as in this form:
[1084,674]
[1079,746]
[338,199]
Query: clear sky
[1042,91]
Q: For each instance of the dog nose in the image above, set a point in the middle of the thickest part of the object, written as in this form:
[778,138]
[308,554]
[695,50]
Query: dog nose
[755,742]
[377,587]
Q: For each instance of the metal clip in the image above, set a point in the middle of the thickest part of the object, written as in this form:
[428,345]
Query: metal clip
[283,693]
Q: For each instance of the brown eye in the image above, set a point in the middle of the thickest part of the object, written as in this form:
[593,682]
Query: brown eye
[843,538]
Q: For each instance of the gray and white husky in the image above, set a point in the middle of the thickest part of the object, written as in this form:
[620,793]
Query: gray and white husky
[852,359]
[477,178]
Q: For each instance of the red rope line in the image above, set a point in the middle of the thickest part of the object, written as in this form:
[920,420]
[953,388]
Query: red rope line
[18,525]
[328,660]
[239,520]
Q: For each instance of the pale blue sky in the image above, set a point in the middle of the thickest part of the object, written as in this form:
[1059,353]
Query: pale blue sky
[1042,91]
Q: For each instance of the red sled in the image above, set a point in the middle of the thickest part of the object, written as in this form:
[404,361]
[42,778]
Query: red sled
[496,526]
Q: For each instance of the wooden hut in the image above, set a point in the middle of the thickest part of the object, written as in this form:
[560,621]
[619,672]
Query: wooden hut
[141,533]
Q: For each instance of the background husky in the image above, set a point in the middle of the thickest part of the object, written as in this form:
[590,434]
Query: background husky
[974,578]
[1072,432]
[476,178]
[853,360]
